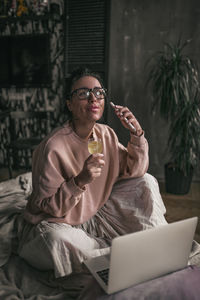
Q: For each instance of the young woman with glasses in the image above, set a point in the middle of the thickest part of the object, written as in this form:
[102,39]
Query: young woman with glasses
[81,201]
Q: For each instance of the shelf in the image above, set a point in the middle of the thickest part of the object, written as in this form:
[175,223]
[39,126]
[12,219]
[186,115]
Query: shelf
[4,114]
[30,18]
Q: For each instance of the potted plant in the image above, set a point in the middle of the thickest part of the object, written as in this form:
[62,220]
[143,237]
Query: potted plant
[174,80]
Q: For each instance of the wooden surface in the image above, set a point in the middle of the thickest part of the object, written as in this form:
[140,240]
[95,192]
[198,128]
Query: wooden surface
[183,206]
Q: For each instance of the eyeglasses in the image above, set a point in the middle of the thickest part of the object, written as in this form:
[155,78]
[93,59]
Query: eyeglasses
[84,93]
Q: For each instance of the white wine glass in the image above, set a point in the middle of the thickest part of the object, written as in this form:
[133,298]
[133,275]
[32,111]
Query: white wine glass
[95,145]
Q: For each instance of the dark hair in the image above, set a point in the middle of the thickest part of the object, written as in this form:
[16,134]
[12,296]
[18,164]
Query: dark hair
[74,76]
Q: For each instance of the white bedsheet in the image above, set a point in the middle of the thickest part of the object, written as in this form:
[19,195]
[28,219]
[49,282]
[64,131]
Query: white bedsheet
[18,280]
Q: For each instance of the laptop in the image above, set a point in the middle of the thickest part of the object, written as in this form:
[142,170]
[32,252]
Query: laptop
[137,257]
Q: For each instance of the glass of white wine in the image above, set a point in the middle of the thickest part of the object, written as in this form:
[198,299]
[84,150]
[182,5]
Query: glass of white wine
[95,145]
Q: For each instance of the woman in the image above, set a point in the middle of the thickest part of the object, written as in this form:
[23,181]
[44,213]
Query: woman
[81,201]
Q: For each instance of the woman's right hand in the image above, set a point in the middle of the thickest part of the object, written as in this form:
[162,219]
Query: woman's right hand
[92,169]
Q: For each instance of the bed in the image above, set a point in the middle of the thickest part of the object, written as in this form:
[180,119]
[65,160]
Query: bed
[18,280]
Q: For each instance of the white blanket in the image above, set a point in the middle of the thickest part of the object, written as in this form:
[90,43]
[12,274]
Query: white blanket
[18,280]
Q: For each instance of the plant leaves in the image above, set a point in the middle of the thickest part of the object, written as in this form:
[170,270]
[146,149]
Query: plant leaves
[174,82]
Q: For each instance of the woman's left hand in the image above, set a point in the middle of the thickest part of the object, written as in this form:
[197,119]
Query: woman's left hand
[123,112]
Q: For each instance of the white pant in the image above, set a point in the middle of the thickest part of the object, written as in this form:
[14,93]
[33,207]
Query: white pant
[134,204]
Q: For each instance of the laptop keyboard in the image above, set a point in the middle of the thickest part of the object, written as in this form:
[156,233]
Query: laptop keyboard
[104,275]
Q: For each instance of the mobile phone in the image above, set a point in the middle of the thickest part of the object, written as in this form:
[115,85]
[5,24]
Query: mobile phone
[125,119]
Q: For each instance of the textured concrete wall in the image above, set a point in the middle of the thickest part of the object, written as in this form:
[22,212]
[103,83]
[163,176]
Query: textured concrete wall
[138,29]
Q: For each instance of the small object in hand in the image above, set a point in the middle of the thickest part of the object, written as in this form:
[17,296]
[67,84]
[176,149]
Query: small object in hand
[125,119]
[95,146]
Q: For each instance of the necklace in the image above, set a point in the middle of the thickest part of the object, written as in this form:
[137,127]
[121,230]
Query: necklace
[83,136]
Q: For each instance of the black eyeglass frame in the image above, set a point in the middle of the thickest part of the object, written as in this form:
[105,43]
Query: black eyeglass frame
[89,90]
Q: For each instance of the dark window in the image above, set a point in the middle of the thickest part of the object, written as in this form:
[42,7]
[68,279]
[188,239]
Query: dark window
[86,39]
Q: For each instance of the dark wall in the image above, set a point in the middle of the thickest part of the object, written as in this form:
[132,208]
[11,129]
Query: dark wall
[138,29]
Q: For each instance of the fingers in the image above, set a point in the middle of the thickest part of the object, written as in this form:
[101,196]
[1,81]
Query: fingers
[92,167]
[123,112]
[96,160]
[125,115]
[95,165]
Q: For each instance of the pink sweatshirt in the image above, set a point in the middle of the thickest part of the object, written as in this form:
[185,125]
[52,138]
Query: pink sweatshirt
[60,157]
